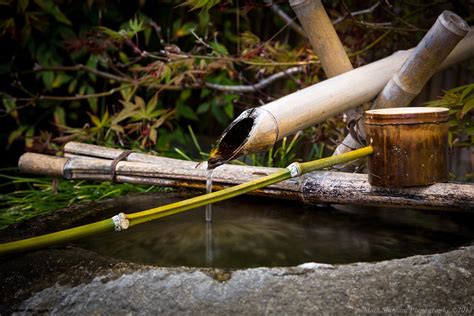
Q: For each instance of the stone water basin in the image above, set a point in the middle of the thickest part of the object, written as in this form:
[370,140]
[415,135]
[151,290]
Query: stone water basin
[268,256]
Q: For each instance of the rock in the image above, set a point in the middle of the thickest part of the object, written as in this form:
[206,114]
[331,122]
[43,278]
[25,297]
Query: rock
[314,265]
[441,283]
[71,280]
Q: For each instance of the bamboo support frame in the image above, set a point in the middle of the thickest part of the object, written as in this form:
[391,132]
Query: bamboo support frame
[315,188]
[423,62]
[123,221]
[448,30]
[307,107]
[73,149]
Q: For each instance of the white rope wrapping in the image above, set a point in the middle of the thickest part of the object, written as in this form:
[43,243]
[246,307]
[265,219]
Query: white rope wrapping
[120,221]
[295,169]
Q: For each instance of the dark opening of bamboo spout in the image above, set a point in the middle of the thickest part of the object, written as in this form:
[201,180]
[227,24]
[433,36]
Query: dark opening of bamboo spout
[253,131]
[231,141]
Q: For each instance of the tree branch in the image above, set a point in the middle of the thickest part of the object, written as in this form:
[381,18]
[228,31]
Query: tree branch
[290,21]
[356,13]
[255,87]
[81,67]
[74,97]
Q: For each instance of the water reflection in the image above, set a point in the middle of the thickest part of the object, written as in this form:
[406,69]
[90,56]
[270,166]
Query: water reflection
[252,232]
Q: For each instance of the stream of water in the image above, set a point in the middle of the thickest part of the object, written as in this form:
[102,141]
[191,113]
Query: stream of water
[208,218]
[209,190]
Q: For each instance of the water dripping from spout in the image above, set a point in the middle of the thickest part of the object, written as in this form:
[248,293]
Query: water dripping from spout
[209,247]
[209,190]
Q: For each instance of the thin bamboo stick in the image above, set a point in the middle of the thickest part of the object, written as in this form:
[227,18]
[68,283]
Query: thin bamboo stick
[123,221]
[58,237]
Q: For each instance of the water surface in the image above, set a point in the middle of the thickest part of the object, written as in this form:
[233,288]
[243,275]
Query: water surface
[254,232]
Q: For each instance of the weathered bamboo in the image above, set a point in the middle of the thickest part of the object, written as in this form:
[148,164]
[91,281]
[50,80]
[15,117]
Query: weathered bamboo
[259,128]
[315,188]
[356,188]
[410,146]
[322,36]
[42,164]
[419,67]
[423,62]
[73,149]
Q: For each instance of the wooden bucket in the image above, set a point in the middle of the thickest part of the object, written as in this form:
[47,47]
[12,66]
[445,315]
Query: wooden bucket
[410,146]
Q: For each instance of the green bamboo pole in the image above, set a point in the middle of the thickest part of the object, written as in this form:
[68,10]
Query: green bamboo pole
[123,221]
[58,237]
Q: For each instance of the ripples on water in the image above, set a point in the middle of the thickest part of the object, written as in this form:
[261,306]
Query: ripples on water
[253,232]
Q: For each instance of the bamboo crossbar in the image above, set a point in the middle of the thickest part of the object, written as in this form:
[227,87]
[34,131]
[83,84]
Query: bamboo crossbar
[314,188]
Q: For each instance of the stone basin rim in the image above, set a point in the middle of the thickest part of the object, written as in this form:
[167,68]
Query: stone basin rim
[420,281]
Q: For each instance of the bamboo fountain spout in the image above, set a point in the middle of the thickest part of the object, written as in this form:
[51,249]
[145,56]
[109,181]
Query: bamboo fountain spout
[260,128]
[253,131]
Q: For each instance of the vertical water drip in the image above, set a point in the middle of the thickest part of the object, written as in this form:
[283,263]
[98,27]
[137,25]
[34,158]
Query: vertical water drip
[209,250]
[209,190]
[209,246]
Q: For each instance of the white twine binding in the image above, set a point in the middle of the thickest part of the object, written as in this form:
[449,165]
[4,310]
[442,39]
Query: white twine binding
[120,221]
[295,169]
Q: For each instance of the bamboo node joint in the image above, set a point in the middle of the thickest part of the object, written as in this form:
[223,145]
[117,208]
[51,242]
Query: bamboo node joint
[295,169]
[121,222]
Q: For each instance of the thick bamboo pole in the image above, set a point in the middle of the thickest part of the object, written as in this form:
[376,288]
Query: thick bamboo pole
[73,149]
[122,221]
[419,67]
[322,36]
[423,62]
[353,187]
[259,128]
[315,188]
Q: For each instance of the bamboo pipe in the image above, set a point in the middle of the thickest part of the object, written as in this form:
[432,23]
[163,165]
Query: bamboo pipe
[260,128]
[122,221]
[315,188]
[415,72]
[322,36]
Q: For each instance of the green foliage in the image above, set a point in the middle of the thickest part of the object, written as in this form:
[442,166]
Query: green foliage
[460,102]
[92,81]
[35,196]
[205,5]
